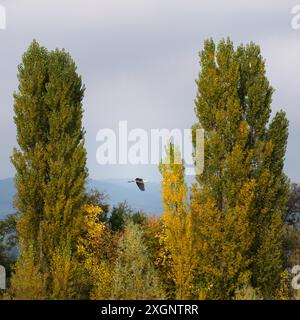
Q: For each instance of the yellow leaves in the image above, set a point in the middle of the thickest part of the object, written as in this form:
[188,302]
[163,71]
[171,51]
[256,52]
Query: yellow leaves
[243,132]
[103,278]
[177,235]
[27,282]
[88,247]
[283,292]
[64,270]
[91,240]
[174,189]
[247,191]
[223,238]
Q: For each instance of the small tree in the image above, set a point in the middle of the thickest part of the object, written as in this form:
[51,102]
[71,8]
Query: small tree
[177,221]
[121,213]
[134,276]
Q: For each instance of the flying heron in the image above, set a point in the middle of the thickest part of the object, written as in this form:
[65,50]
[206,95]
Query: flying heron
[140,183]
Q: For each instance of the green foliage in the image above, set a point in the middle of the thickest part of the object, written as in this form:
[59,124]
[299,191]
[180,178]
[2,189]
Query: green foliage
[134,276]
[102,285]
[284,291]
[240,199]
[28,282]
[65,274]
[155,239]
[51,162]
[8,241]
[228,242]
[99,199]
[270,205]
[293,204]
[291,243]
[248,293]
[122,213]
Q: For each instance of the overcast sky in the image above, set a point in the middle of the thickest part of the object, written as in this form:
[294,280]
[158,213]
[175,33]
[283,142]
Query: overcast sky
[139,61]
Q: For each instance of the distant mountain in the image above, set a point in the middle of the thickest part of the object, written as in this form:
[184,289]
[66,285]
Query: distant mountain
[7,192]
[117,190]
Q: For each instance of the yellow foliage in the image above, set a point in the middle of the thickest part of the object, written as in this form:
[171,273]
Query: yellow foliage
[223,242]
[64,274]
[27,282]
[284,291]
[90,245]
[90,242]
[103,277]
[156,242]
[177,233]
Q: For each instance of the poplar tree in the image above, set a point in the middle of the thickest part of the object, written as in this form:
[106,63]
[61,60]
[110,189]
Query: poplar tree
[51,160]
[177,222]
[268,140]
[269,207]
[239,201]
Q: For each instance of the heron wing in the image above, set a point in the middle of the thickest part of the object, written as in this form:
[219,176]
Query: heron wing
[141,185]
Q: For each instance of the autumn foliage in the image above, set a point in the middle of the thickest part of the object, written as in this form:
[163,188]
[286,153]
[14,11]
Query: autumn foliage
[227,236]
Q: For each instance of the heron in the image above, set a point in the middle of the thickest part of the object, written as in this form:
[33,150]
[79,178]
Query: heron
[140,183]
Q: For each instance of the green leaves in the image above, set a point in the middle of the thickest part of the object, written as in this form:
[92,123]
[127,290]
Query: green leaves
[242,191]
[134,276]
[51,162]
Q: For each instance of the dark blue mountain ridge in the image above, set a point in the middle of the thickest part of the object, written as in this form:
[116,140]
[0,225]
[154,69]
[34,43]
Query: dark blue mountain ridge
[7,192]
[117,190]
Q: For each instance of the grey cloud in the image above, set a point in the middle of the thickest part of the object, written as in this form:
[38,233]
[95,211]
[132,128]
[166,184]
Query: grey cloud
[139,60]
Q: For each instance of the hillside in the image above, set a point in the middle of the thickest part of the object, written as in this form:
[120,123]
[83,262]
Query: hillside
[117,191]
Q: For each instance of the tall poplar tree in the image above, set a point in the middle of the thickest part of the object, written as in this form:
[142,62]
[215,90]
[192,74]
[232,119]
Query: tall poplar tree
[239,201]
[51,160]
[177,223]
